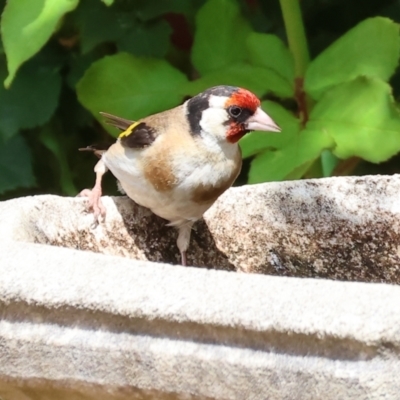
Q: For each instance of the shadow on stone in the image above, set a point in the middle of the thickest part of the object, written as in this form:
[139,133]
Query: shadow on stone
[157,240]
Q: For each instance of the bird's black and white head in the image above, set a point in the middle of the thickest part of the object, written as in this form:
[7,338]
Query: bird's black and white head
[227,113]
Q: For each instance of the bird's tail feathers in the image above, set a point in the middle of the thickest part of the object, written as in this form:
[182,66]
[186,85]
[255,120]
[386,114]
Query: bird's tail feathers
[118,122]
[97,149]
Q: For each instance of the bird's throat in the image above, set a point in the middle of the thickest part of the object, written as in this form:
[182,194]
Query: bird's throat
[235,133]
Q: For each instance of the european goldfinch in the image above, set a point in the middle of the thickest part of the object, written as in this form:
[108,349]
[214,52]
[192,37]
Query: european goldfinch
[178,162]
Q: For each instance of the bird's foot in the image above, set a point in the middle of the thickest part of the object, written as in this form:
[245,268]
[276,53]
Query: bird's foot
[184,239]
[183,258]
[95,204]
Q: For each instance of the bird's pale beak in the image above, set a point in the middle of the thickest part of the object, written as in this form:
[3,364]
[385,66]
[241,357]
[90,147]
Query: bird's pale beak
[261,121]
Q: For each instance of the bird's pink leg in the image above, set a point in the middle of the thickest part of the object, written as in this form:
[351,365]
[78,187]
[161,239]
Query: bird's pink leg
[183,258]
[94,195]
[184,239]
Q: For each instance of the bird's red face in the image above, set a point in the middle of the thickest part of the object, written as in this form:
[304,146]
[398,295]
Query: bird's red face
[241,105]
[245,115]
[228,113]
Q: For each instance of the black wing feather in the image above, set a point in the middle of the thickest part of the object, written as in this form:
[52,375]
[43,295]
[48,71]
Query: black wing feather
[141,135]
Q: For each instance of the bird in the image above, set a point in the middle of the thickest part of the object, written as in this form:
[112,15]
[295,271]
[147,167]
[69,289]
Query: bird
[178,162]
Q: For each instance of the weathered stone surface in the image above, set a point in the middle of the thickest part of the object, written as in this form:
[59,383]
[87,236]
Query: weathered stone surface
[338,228]
[80,325]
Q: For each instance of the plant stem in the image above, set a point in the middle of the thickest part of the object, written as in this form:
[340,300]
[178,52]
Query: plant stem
[296,35]
[346,167]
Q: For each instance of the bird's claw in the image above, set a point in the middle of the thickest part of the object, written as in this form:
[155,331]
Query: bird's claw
[95,204]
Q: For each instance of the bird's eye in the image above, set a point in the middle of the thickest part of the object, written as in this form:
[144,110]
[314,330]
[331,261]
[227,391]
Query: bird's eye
[234,111]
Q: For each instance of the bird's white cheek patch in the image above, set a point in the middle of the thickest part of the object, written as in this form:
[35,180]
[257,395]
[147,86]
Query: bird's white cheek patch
[212,122]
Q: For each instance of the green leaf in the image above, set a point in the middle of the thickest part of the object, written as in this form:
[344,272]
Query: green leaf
[131,87]
[370,49]
[53,142]
[282,155]
[108,3]
[147,10]
[26,26]
[270,52]
[258,80]
[78,64]
[257,142]
[123,25]
[15,164]
[97,24]
[220,37]
[276,165]
[362,118]
[146,39]
[32,99]
[301,171]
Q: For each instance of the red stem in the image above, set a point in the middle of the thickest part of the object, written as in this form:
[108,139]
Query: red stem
[301,99]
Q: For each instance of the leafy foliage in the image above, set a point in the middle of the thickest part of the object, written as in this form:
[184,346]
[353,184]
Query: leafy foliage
[26,26]
[126,85]
[370,49]
[220,38]
[257,79]
[63,61]
[15,164]
[279,58]
[369,125]
[20,107]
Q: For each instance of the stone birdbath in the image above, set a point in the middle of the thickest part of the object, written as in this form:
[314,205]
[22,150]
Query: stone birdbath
[292,295]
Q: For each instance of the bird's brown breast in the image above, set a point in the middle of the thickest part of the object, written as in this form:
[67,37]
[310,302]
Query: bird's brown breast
[208,193]
[158,169]
[160,174]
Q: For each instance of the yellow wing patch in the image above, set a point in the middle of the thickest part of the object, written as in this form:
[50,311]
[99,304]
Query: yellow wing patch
[128,131]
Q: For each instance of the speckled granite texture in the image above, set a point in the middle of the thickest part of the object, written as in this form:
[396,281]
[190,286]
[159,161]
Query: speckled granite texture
[337,228]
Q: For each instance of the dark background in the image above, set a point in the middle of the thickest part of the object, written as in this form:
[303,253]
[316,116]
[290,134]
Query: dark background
[66,171]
